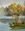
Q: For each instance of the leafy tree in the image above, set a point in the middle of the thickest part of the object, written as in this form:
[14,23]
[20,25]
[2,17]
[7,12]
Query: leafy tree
[19,9]
[13,7]
[16,9]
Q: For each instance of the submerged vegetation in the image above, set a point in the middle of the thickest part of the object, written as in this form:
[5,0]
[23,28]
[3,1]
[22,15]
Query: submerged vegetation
[17,26]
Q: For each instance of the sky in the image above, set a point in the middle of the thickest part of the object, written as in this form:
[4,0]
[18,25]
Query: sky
[7,2]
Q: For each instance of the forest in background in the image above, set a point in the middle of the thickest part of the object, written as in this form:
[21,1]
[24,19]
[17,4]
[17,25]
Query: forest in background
[13,9]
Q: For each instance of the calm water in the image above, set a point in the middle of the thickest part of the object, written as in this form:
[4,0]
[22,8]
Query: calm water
[5,27]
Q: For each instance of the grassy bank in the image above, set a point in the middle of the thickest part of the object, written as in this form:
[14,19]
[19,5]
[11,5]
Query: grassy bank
[18,26]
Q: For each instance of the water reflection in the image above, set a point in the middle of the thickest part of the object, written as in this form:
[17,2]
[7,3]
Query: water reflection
[5,27]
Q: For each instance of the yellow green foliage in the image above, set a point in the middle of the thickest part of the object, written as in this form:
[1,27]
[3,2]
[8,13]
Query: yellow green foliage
[16,8]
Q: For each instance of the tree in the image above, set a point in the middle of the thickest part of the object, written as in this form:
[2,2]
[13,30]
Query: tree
[24,12]
[15,9]
[2,11]
[19,9]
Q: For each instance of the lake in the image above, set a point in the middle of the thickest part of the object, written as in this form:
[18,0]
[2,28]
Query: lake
[5,27]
